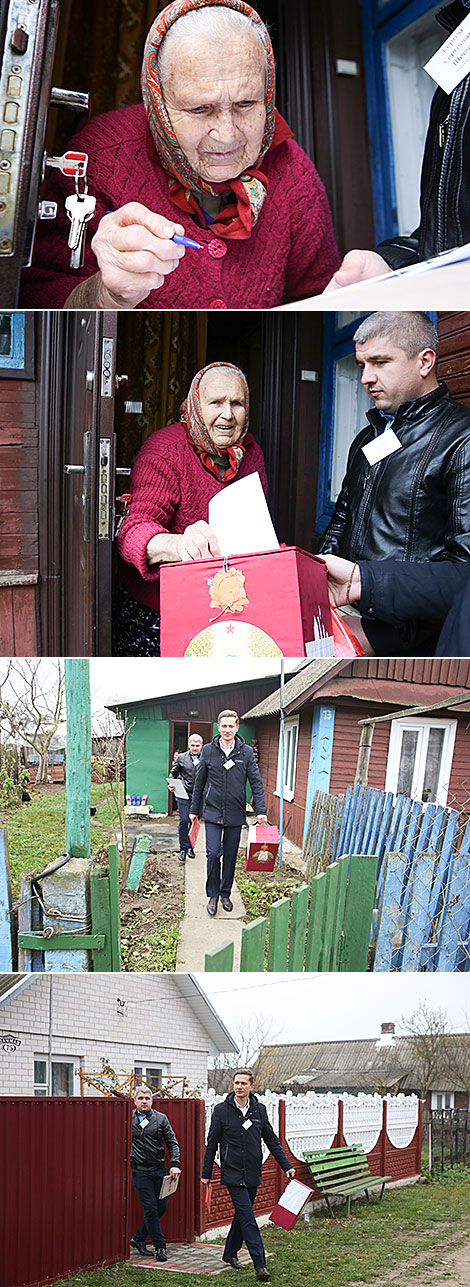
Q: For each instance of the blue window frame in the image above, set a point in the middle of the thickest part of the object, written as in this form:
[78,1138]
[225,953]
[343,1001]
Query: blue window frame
[16,344]
[381,21]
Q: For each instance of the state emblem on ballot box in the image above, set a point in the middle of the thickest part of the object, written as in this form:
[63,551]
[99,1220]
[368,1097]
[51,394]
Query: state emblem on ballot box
[262,846]
[250,605]
[257,600]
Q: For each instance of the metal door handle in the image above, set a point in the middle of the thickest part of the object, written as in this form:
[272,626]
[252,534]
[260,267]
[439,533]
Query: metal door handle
[121,472]
[84,469]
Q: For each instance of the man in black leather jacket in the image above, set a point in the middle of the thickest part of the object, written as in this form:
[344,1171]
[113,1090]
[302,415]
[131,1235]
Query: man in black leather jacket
[445,191]
[239,1127]
[414,503]
[184,766]
[150,1132]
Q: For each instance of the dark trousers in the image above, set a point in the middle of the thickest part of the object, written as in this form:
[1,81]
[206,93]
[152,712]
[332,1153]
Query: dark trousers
[147,1185]
[221,842]
[244,1227]
[183,828]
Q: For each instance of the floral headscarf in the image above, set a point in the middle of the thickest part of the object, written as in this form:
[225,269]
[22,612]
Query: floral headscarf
[198,432]
[249,189]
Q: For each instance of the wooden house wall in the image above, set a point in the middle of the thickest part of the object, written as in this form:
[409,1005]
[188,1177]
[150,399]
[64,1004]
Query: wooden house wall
[19,435]
[344,759]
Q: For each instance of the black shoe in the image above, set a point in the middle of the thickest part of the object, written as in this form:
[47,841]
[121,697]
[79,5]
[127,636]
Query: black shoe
[141,1247]
[182,855]
[190,853]
[227,904]
[233,1261]
[262,1275]
[160,1253]
[212,906]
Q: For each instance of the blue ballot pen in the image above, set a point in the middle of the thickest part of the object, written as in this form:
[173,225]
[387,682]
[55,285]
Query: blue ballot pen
[186,241]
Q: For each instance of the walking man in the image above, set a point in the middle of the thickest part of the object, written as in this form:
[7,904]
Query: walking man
[150,1132]
[219,797]
[184,766]
[239,1126]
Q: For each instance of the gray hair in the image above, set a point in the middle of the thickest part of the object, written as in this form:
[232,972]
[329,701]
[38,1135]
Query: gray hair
[411,332]
[217,23]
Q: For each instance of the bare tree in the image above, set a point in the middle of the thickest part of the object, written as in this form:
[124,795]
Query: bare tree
[108,767]
[252,1034]
[32,706]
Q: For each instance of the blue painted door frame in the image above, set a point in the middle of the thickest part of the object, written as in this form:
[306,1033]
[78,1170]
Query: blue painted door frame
[321,752]
[382,19]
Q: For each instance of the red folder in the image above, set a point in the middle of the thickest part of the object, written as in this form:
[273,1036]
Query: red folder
[194,832]
[291,1204]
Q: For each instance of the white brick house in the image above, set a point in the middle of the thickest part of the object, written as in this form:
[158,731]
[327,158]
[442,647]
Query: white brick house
[157,1025]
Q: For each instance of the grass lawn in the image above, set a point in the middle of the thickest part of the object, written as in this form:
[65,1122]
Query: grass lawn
[260,889]
[36,831]
[377,1239]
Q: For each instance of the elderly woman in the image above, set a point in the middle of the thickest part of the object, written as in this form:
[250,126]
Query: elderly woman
[208,157]
[176,473]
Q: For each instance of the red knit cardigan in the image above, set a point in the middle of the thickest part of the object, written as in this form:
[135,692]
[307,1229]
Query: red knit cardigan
[291,253]
[170,489]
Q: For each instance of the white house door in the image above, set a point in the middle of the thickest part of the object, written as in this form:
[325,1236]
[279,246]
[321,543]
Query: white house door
[420,758]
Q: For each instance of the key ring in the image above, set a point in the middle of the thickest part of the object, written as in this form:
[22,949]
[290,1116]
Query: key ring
[79,194]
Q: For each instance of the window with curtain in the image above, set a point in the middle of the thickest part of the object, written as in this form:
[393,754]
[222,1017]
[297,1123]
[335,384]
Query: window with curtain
[150,1075]
[291,737]
[420,758]
[62,1079]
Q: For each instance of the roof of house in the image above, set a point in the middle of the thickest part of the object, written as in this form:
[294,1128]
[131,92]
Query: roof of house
[357,1064]
[402,682]
[12,984]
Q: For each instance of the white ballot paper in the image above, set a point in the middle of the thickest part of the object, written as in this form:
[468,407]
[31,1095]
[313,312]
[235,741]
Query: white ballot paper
[179,788]
[169,1186]
[385,445]
[294,1197]
[240,518]
[452,61]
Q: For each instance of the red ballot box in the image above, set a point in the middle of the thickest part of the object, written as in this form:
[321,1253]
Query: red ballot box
[262,847]
[291,1204]
[249,605]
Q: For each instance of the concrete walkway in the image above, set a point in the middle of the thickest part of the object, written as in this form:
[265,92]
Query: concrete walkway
[199,931]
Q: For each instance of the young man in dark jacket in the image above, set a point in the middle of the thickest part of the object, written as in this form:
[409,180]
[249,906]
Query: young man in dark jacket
[239,1127]
[184,766]
[150,1132]
[405,494]
[219,797]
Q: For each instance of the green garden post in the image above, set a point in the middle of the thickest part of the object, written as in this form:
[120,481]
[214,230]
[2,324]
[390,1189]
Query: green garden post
[67,890]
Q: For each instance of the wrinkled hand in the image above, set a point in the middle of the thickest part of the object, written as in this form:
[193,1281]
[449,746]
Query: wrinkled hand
[198,541]
[340,589]
[358,266]
[134,252]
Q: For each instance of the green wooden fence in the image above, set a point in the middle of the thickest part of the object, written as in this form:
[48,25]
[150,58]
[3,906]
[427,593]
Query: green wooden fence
[103,939]
[326,925]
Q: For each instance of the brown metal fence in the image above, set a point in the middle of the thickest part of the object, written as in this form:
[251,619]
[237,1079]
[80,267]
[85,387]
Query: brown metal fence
[66,1196]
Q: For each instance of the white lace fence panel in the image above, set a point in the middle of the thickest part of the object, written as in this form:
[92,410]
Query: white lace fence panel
[311,1121]
[402,1119]
[362,1120]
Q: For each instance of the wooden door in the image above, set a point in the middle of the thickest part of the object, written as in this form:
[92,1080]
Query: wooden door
[76,498]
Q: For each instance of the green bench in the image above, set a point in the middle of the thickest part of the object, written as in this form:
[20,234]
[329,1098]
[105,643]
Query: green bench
[343,1172]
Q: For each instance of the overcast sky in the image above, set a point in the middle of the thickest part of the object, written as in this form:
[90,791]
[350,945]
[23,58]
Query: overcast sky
[328,1007]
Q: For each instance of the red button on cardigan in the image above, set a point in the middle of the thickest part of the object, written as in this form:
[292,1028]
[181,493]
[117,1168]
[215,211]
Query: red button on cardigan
[217,248]
[218,303]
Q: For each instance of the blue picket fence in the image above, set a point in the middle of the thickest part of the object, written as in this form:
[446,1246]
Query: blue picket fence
[422,917]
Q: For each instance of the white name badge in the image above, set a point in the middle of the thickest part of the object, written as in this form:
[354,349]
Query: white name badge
[229,764]
[246,1125]
[380,447]
[452,61]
